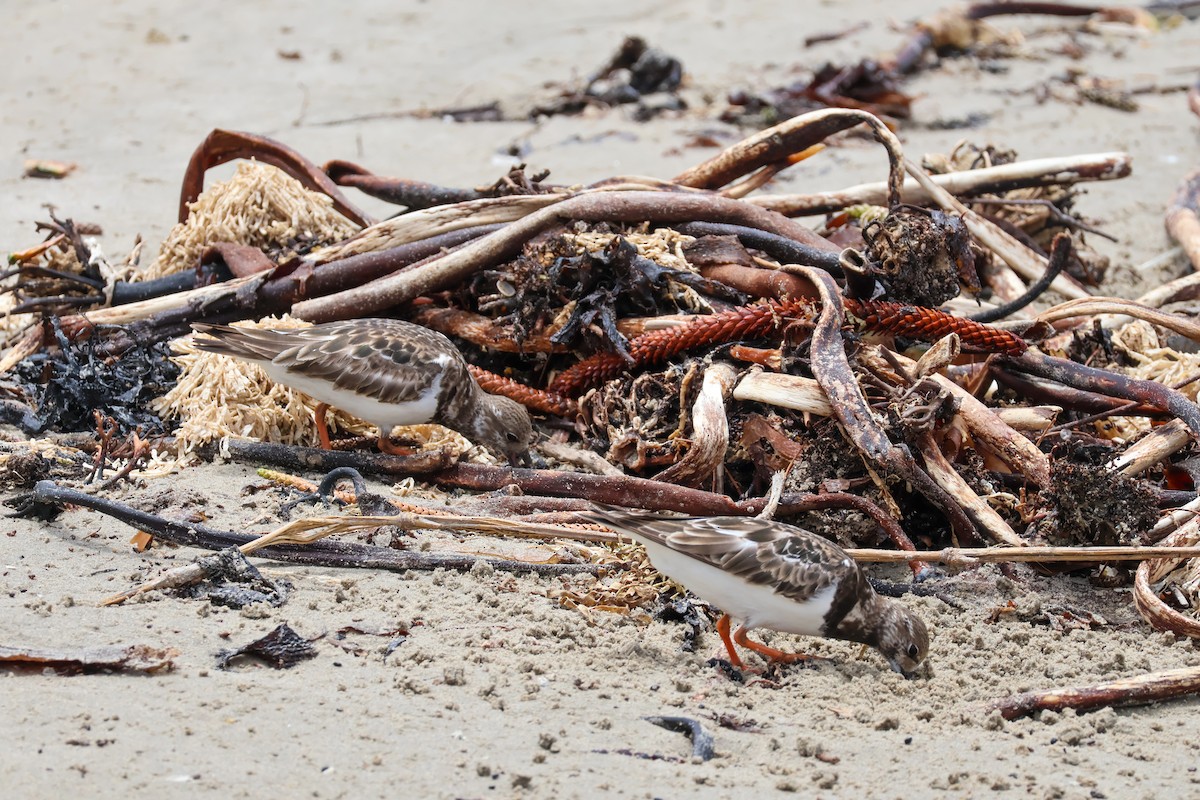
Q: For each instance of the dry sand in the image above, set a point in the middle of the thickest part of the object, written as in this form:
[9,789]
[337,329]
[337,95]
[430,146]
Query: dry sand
[497,691]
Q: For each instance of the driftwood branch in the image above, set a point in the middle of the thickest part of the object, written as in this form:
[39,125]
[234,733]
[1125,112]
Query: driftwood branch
[322,553]
[1092,306]
[1152,687]
[1161,443]
[1180,544]
[1018,175]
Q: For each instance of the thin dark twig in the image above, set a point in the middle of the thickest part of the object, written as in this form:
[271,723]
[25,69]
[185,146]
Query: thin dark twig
[72,301]
[45,272]
[1060,253]
[324,552]
[1056,213]
[1121,409]
[780,248]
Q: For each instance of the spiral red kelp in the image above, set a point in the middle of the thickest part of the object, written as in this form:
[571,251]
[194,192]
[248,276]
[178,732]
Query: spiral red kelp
[538,400]
[929,324]
[750,322]
[650,349]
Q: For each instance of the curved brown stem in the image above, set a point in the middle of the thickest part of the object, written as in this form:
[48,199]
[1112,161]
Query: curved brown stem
[632,206]
[799,133]
[399,191]
[831,368]
[1101,381]
[222,146]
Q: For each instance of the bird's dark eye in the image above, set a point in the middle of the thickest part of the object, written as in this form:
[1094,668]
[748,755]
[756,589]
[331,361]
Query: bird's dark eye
[512,437]
[913,651]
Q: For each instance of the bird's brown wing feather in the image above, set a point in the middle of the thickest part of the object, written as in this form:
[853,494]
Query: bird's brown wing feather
[389,360]
[796,562]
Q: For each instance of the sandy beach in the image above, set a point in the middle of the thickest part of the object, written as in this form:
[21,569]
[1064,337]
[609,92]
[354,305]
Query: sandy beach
[479,684]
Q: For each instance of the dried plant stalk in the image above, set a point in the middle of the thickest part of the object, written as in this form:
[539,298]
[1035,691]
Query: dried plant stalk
[983,515]
[144,309]
[1180,289]
[992,433]
[1020,174]
[311,529]
[971,556]
[1152,448]
[1029,418]
[26,346]
[1148,603]
[578,456]
[704,460]
[434,221]
[786,391]
[1172,519]
[1115,305]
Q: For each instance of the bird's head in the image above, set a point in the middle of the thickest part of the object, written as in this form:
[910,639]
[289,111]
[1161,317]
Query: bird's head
[903,638]
[504,428]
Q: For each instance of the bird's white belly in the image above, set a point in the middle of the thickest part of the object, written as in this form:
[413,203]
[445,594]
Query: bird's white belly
[755,605]
[385,415]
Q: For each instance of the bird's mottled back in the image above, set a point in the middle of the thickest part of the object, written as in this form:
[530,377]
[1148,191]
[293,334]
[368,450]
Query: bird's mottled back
[385,359]
[798,563]
[388,371]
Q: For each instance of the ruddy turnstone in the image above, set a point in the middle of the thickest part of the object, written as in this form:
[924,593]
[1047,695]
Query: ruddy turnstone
[386,371]
[773,575]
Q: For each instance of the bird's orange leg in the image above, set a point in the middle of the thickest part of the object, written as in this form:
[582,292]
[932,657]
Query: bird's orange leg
[723,629]
[770,653]
[386,446]
[322,428]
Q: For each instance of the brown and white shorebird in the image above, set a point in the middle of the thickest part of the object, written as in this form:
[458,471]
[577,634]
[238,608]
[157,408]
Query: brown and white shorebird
[772,575]
[385,371]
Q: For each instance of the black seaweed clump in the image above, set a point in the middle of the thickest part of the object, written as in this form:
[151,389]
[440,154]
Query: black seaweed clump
[69,384]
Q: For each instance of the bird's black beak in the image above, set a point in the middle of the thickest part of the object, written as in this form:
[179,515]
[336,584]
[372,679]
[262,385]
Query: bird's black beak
[897,668]
[522,459]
